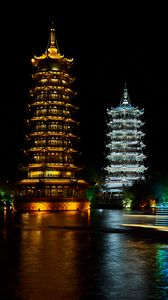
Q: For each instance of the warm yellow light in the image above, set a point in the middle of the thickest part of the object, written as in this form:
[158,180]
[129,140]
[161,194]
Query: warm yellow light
[152,203]
[44,174]
[161,228]
[33,60]
[68,173]
[67,206]
[36,174]
[52,173]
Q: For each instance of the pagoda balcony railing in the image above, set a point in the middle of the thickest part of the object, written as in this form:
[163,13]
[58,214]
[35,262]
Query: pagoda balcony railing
[119,112]
[39,95]
[56,127]
[58,78]
[124,136]
[125,165]
[49,159]
[125,121]
[52,81]
[117,117]
[119,151]
[124,124]
[125,139]
[50,118]
[60,127]
[124,147]
[126,132]
[45,113]
[52,165]
[56,143]
[52,88]
[52,148]
[50,96]
[125,154]
[129,162]
[126,127]
[128,153]
[44,164]
[120,178]
[125,143]
[124,175]
[52,129]
[127,169]
[59,105]
[61,74]
[58,134]
[124,158]
[53,118]
[52,176]
[50,115]
[50,84]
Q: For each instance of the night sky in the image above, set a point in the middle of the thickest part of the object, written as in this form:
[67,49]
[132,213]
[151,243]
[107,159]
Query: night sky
[110,45]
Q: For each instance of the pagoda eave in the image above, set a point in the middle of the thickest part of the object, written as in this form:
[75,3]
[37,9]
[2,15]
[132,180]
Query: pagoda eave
[54,166]
[53,133]
[52,181]
[53,55]
[52,149]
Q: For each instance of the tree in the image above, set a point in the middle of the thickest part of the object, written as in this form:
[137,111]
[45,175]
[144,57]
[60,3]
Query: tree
[6,199]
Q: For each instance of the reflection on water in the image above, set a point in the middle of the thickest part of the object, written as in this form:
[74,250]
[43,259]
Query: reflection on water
[72,255]
[161,274]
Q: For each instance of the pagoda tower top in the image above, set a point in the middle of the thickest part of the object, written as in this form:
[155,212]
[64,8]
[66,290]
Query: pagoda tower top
[52,50]
[125,100]
[52,46]
[125,104]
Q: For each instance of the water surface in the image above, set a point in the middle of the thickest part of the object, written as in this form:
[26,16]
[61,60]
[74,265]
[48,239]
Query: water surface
[73,255]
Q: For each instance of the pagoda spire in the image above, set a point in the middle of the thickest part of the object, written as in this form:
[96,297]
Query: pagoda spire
[52,42]
[52,50]
[125,100]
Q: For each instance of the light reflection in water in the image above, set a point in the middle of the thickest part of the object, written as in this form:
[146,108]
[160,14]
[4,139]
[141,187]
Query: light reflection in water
[71,256]
[161,273]
[48,264]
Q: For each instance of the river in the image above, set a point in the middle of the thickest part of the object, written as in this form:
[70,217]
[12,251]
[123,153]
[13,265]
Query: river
[80,256]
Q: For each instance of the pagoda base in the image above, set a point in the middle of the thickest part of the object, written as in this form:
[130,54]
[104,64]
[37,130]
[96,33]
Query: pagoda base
[67,205]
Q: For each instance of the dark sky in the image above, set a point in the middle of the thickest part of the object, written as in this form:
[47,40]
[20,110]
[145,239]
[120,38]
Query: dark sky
[111,45]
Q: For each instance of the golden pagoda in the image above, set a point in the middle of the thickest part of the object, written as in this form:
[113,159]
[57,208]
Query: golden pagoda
[52,181]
